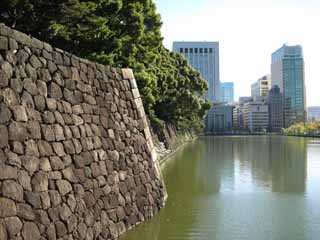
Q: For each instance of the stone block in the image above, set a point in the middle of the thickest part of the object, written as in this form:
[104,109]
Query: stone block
[4,43]
[8,172]
[14,226]
[7,208]
[4,137]
[30,231]
[64,187]
[12,190]
[40,182]
[6,73]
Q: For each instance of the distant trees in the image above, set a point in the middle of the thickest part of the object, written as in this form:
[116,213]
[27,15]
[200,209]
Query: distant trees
[121,33]
[301,129]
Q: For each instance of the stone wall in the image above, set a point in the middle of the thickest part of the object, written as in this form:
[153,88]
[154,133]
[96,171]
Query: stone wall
[76,156]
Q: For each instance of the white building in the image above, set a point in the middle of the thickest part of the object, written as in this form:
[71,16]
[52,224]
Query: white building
[256,116]
[203,56]
[261,87]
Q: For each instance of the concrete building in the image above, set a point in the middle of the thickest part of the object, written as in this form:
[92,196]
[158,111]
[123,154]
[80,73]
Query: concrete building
[237,117]
[275,101]
[287,72]
[261,87]
[255,116]
[203,56]
[227,92]
[219,119]
[313,114]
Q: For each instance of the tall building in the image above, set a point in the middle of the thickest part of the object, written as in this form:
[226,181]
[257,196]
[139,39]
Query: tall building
[275,109]
[287,72]
[219,118]
[261,87]
[203,56]
[313,114]
[255,116]
[227,92]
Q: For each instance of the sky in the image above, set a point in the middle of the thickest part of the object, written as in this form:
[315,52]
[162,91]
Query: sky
[248,31]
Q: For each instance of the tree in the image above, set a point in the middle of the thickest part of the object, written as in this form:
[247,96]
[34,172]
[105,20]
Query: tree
[121,33]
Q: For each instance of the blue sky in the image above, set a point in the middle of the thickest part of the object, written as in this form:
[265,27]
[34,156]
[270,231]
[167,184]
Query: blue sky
[248,32]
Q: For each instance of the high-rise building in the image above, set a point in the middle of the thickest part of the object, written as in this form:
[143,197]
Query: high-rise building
[203,56]
[255,116]
[313,114]
[287,72]
[227,92]
[219,119]
[261,87]
[275,109]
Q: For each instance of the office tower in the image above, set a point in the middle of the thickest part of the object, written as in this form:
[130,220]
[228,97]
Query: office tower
[219,118]
[256,116]
[237,117]
[203,56]
[313,114]
[261,87]
[227,92]
[287,72]
[275,99]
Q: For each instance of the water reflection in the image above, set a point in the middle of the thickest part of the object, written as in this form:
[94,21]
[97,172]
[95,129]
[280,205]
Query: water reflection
[240,188]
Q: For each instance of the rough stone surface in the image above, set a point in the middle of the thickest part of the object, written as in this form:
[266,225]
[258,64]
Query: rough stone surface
[76,157]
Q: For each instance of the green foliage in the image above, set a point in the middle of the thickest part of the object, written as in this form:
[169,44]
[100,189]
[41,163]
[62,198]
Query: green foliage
[302,129]
[122,33]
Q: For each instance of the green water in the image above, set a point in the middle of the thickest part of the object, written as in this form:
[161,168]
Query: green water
[240,188]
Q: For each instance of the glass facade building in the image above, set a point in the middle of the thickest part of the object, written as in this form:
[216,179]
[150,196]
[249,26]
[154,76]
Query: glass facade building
[204,57]
[287,72]
[227,92]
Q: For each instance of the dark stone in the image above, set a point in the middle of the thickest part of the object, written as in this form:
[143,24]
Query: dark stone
[10,97]
[5,114]
[14,226]
[48,133]
[45,149]
[17,132]
[61,229]
[22,56]
[27,100]
[19,113]
[30,163]
[30,86]
[30,231]
[7,208]
[32,148]
[65,212]
[25,211]
[64,187]
[69,147]
[69,175]
[6,72]
[40,182]
[8,172]
[25,180]
[34,130]
[33,199]
[54,91]
[12,190]
[42,87]
[35,62]
[4,137]
[56,163]
[55,198]
[16,84]
[44,75]
[13,45]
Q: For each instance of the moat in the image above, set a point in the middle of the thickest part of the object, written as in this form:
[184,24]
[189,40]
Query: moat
[239,188]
